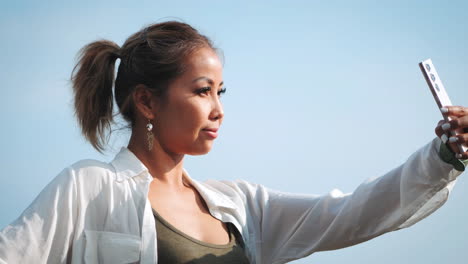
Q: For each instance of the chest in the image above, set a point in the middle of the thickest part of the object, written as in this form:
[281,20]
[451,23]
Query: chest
[188,213]
[177,247]
[130,215]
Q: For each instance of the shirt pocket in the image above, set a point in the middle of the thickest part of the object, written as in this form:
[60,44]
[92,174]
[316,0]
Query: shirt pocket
[109,247]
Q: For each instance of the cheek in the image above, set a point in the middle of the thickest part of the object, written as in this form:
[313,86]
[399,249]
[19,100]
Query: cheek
[185,120]
[181,127]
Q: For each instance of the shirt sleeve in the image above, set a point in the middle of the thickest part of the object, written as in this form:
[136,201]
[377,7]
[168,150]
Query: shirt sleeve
[447,155]
[43,232]
[285,226]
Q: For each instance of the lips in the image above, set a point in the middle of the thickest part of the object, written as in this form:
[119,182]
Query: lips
[211,132]
[211,129]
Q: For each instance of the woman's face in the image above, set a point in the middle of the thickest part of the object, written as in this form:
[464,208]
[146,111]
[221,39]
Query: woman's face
[192,106]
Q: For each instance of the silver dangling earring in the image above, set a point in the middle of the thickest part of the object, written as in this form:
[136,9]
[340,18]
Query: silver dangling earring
[149,135]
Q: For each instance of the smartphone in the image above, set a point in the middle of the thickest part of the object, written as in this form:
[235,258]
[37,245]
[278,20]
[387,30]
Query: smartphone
[438,91]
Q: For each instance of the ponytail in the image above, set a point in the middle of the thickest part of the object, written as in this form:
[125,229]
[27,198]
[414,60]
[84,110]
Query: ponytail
[153,56]
[92,80]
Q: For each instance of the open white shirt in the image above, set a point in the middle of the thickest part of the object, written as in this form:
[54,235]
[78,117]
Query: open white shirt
[96,212]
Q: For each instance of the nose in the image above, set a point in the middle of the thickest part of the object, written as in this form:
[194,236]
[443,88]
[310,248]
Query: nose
[217,111]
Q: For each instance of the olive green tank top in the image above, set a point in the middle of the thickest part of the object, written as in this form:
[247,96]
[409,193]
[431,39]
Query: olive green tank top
[176,247]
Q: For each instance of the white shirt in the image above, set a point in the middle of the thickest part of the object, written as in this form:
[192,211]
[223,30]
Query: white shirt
[96,212]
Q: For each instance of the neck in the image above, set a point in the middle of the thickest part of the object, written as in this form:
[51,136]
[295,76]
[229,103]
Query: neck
[165,167]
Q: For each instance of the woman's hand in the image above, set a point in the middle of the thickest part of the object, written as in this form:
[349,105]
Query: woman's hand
[459,124]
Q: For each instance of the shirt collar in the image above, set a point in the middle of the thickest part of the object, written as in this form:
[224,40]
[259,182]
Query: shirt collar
[213,198]
[127,166]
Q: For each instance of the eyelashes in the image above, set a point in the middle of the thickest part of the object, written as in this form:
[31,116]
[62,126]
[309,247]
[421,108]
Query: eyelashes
[222,91]
[207,89]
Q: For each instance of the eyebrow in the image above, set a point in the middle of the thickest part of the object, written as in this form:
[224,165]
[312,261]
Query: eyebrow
[207,80]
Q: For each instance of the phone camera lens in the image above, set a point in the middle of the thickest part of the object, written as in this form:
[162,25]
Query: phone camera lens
[437,87]
[433,77]
[428,67]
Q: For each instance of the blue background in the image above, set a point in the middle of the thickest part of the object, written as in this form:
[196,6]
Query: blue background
[319,96]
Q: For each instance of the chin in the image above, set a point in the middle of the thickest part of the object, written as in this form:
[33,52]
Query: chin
[200,150]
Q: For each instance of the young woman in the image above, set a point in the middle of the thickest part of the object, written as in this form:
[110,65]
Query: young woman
[144,207]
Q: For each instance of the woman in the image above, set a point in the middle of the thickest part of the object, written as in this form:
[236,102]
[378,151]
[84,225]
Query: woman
[144,207]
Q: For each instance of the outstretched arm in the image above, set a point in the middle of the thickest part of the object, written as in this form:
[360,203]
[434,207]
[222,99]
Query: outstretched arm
[285,226]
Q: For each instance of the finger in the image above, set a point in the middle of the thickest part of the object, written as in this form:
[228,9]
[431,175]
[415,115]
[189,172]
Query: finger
[449,129]
[442,134]
[461,122]
[463,155]
[454,147]
[459,139]
[438,130]
[457,111]
[456,124]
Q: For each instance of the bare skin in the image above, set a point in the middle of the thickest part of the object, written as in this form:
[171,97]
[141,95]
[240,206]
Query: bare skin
[459,124]
[179,119]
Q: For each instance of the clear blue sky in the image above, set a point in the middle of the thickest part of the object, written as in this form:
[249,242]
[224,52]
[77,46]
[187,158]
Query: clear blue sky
[319,96]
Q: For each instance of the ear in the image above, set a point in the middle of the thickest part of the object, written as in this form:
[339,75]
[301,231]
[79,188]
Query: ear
[145,101]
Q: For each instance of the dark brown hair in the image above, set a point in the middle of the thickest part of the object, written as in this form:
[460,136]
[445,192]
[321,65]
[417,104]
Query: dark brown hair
[153,56]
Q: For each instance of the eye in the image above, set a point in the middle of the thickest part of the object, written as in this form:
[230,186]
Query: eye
[206,90]
[203,90]
[222,91]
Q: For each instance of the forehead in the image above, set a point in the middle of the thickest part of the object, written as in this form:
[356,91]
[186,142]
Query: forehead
[203,62]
